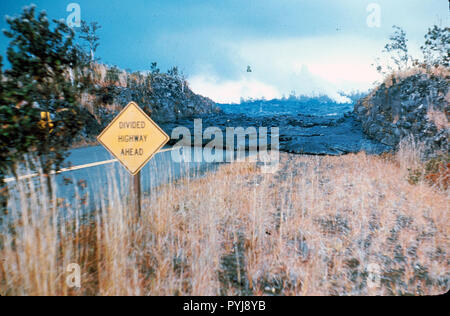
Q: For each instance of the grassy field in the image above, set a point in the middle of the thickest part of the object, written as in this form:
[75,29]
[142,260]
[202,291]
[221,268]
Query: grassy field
[350,225]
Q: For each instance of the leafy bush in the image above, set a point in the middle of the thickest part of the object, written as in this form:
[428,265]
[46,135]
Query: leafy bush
[47,74]
[398,48]
[436,49]
[89,36]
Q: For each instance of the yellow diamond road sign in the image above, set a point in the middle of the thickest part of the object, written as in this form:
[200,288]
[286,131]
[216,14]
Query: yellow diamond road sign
[133,138]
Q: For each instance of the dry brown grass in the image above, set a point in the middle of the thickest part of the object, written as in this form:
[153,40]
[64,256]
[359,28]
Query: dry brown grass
[313,228]
[411,159]
[439,118]
[399,75]
[440,71]
[409,155]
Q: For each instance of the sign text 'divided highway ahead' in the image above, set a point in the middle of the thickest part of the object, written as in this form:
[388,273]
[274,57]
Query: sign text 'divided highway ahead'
[133,138]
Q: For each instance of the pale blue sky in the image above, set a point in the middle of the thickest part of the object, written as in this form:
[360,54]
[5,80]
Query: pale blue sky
[306,46]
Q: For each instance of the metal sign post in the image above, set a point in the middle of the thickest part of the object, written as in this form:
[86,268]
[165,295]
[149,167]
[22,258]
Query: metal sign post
[136,193]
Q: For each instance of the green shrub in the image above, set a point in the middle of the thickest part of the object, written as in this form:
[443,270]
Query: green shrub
[47,75]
